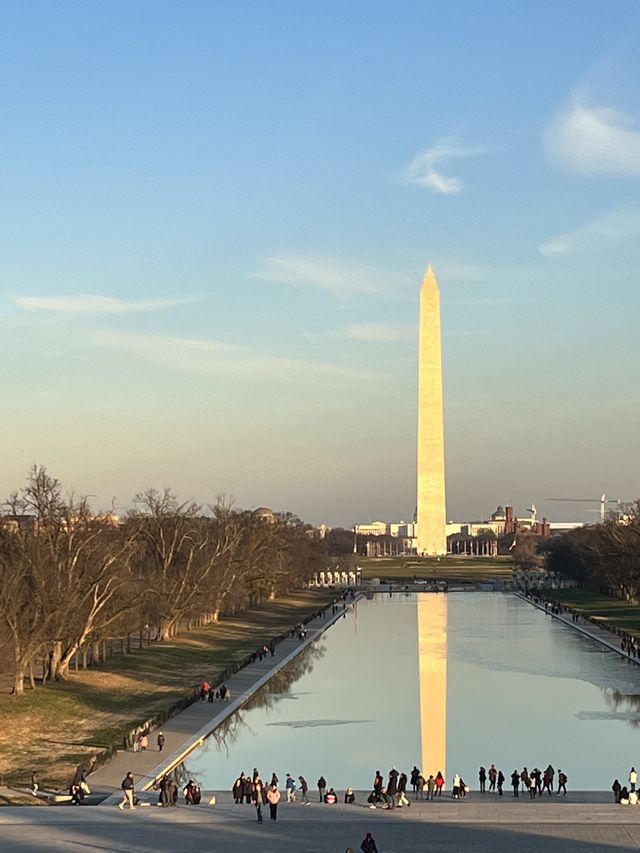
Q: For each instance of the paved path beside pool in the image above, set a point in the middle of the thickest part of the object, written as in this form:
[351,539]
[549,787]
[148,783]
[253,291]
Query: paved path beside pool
[602,635]
[188,728]
[490,825]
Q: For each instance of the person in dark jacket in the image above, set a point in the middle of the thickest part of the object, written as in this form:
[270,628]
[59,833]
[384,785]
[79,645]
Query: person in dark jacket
[128,791]
[259,796]
[322,788]
[515,783]
[378,784]
[500,781]
[482,778]
[616,788]
[562,783]
[413,779]
[247,790]
[392,787]
[238,789]
[163,797]
[160,741]
[368,844]
[402,790]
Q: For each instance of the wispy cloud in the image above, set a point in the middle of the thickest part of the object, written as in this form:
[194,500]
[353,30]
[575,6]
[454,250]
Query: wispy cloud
[201,356]
[88,303]
[334,275]
[608,230]
[594,141]
[379,332]
[422,170]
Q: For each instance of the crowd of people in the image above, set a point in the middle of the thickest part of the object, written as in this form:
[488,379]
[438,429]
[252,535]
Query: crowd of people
[627,796]
[209,693]
[393,793]
[534,782]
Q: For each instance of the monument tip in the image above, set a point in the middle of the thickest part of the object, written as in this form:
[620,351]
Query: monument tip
[430,278]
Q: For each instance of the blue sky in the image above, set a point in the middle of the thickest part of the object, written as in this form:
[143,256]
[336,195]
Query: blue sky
[215,219]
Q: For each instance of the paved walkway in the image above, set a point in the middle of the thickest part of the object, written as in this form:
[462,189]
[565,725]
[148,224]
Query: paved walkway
[601,635]
[491,825]
[188,728]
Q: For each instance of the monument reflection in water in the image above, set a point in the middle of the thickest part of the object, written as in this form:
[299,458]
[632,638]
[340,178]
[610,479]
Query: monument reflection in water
[447,682]
[432,681]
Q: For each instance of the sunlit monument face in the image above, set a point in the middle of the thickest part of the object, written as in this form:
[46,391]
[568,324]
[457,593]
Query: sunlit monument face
[431,515]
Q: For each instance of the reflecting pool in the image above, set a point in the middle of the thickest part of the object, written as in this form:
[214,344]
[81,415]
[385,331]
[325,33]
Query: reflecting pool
[447,682]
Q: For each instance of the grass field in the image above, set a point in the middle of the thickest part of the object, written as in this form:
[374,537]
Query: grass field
[612,611]
[454,569]
[53,728]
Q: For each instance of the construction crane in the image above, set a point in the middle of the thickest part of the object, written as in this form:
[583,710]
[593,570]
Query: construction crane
[602,501]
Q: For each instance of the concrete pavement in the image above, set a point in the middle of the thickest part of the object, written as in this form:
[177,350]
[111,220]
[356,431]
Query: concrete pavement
[586,824]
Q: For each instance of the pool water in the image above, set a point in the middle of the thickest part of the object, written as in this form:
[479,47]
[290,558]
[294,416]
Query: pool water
[453,680]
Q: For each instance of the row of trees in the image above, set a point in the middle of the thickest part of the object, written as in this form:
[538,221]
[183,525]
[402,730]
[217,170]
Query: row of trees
[603,557]
[70,581]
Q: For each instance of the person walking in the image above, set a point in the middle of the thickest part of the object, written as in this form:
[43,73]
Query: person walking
[160,741]
[273,795]
[402,791]
[500,782]
[128,790]
[378,784]
[257,793]
[163,797]
[368,844]
[562,783]
[515,783]
[431,787]
[144,741]
[247,790]
[482,778]
[304,791]
[455,788]
[34,783]
[290,787]
[633,779]
[237,792]
[172,791]
[322,788]
[392,787]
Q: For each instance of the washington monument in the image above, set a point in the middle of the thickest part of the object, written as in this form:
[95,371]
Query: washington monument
[431,515]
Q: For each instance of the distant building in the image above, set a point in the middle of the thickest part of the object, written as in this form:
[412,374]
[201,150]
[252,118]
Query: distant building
[479,538]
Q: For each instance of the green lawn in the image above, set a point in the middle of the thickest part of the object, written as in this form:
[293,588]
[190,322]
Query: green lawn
[53,729]
[454,569]
[613,611]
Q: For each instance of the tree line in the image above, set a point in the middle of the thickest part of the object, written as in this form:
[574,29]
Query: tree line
[603,557]
[73,583]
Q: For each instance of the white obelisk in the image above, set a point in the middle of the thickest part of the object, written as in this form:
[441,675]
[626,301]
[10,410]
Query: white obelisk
[431,516]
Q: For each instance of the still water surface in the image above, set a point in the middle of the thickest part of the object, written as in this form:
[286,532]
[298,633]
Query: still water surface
[520,689]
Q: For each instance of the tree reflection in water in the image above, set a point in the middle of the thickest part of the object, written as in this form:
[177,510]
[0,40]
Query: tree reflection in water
[625,706]
[275,690]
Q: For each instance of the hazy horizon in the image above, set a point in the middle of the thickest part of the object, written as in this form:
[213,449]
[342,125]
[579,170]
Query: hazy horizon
[216,220]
